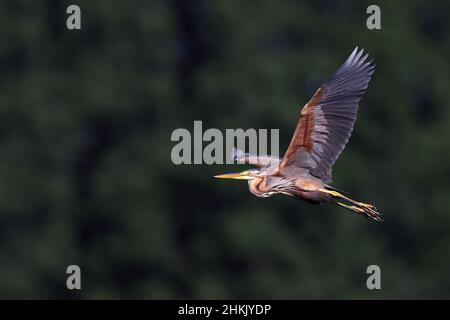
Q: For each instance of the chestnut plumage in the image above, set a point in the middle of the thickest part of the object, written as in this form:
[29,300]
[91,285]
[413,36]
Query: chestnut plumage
[323,129]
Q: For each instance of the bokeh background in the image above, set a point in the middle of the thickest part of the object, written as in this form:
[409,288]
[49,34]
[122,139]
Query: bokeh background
[86,176]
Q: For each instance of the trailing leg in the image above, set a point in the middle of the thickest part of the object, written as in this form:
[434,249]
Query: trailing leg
[367,210]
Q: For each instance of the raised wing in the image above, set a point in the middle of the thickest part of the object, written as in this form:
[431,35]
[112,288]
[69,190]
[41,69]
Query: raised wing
[326,121]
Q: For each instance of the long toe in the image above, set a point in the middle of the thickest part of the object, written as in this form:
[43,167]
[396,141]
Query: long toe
[375,215]
[366,205]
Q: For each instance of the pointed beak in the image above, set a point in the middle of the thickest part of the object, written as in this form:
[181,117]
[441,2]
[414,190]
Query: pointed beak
[238,176]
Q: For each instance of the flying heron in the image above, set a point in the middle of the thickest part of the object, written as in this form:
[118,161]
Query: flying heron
[323,129]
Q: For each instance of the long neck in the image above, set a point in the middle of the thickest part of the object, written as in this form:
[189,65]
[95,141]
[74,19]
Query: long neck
[259,187]
[269,185]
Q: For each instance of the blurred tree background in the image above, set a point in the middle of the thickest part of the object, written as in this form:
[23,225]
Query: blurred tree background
[86,176]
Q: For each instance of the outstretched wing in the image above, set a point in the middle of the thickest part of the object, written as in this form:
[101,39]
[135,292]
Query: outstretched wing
[260,161]
[326,121]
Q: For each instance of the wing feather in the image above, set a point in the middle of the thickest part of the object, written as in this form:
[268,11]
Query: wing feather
[262,161]
[326,121]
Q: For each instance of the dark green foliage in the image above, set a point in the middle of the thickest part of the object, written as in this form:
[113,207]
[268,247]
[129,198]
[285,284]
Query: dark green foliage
[85,170]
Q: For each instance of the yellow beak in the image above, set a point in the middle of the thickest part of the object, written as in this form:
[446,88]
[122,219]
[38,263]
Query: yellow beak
[238,176]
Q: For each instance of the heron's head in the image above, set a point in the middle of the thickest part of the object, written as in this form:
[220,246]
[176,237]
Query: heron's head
[244,175]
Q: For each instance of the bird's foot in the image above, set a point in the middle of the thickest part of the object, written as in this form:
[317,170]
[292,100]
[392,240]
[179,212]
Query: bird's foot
[366,210]
[369,211]
[367,206]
